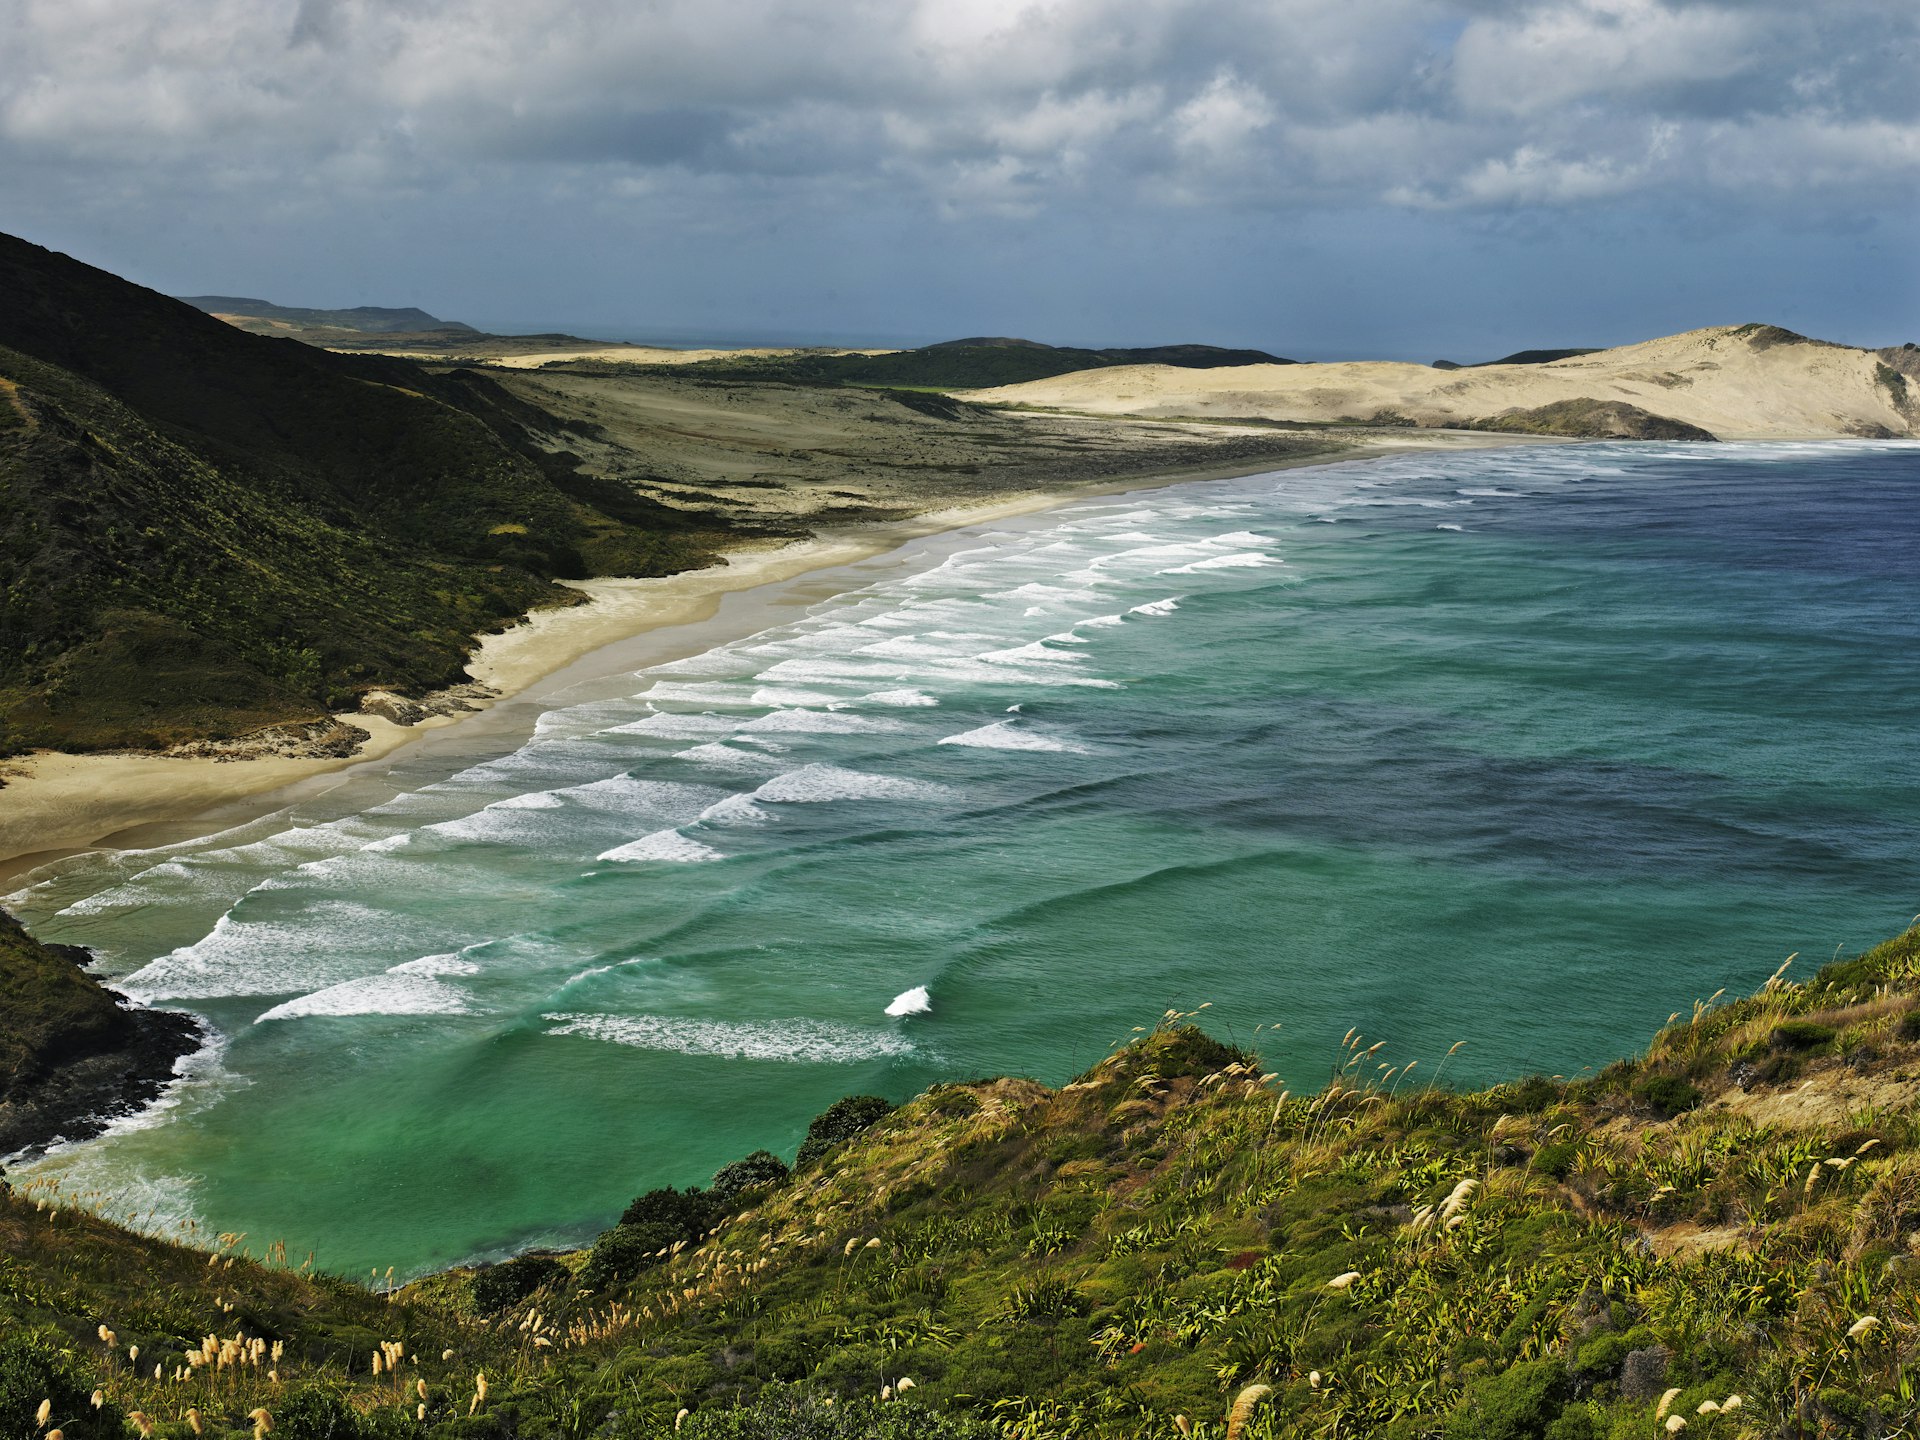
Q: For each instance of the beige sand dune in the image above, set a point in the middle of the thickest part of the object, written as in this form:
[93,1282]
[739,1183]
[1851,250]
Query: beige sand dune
[1737,382]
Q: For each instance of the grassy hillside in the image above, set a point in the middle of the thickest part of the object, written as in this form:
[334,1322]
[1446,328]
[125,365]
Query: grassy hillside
[368,319]
[206,531]
[1720,1234]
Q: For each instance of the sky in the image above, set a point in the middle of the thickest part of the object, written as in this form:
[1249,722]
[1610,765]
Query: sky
[1409,179]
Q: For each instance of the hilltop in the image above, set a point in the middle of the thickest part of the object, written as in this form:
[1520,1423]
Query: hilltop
[208,531]
[363,319]
[1731,382]
[1721,1232]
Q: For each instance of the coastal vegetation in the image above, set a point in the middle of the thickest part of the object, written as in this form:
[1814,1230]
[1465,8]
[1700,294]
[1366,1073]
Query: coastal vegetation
[204,532]
[1715,1238]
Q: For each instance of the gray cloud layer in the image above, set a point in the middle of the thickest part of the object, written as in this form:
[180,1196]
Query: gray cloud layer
[1110,168]
[983,105]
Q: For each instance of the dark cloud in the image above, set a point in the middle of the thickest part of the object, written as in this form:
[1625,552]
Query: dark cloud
[680,117]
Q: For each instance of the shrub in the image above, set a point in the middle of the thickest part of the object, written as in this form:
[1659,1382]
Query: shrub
[1802,1035]
[840,1121]
[762,1167]
[1602,1357]
[29,1373]
[316,1414]
[624,1251]
[1556,1159]
[1667,1095]
[781,1413]
[688,1213]
[498,1286]
[1518,1404]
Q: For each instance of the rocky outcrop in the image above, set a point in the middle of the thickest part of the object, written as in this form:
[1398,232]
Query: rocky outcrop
[74,1054]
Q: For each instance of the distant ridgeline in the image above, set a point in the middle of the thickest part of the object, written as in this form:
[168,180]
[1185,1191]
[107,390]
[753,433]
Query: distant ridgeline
[204,531]
[372,319]
[1521,357]
[974,363]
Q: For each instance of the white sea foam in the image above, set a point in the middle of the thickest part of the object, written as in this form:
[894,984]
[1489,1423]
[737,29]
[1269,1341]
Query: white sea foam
[1449,527]
[669,725]
[729,757]
[794,1041]
[1244,560]
[911,1002]
[901,698]
[773,696]
[815,784]
[413,988]
[631,795]
[1002,735]
[735,810]
[532,800]
[663,845]
[708,692]
[1157,607]
[822,722]
[263,957]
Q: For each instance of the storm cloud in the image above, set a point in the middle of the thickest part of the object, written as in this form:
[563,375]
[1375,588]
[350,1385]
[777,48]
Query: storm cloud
[987,127]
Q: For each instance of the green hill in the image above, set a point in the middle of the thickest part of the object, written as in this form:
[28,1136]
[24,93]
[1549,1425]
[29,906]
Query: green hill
[372,319]
[1721,1233]
[206,531]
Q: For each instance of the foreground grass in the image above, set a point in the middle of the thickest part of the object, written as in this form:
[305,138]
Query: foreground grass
[1733,1215]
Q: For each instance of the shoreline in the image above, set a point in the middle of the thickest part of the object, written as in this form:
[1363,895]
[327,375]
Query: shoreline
[55,805]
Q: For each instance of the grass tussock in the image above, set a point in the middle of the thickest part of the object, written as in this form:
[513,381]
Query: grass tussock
[1173,1244]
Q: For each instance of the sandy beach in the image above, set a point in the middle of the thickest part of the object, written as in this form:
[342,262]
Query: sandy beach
[55,804]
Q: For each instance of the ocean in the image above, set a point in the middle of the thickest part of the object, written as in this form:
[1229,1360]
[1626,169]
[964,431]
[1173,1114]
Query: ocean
[1523,748]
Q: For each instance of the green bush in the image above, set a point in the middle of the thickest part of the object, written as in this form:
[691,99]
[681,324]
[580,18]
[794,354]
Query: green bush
[1556,1159]
[316,1414]
[624,1251]
[31,1372]
[840,1121]
[1667,1095]
[762,1167]
[498,1286]
[780,1413]
[1802,1035]
[689,1213]
[1602,1357]
[1518,1404]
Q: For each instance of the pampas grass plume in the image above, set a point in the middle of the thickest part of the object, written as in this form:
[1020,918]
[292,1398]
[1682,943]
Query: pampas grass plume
[1243,1405]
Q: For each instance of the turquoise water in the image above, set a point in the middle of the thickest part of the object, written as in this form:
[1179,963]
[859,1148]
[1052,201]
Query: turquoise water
[1523,748]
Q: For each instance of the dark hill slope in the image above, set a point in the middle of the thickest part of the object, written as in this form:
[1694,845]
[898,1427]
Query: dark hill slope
[205,531]
[978,362]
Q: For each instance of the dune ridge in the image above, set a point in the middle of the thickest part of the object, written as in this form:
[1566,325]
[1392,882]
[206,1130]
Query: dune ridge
[1746,382]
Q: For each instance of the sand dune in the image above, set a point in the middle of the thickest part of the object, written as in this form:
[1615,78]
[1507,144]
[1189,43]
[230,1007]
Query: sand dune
[1736,382]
